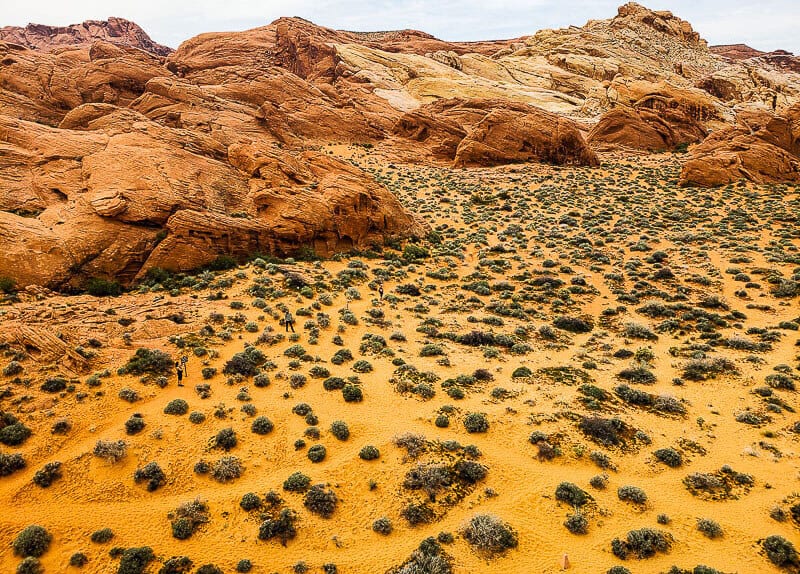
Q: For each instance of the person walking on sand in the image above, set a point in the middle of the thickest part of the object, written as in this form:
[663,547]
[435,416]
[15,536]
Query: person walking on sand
[380,291]
[179,371]
[288,320]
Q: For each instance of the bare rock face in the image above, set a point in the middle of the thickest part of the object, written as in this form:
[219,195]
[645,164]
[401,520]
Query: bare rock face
[762,147]
[113,30]
[122,194]
[645,129]
[494,132]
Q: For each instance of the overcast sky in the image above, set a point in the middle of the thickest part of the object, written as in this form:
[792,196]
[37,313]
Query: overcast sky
[766,25]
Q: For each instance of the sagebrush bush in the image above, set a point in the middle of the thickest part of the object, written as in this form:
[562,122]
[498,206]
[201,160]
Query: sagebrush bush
[111,451]
[226,469]
[669,456]
[176,407]
[321,501]
[250,501]
[709,528]
[152,473]
[572,494]
[632,494]
[317,453]
[297,482]
[577,523]
[262,425]
[280,526]
[340,430]
[369,452]
[780,551]
[148,362]
[135,560]
[134,425]
[489,534]
[476,423]
[382,526]
[641,543]
[10,463]
[102,536]
[33,540]
[48,474]
[225,439]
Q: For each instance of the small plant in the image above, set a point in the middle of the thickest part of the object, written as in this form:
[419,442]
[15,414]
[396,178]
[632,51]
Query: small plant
[369,452]
[48,474]
[148,362]
[489,534]
[250,501]
[226,469]
[262,425]
[176,407]
[297,482]
[321,501]
[110,451]
[152,473]
[33,541]
[135,560]
[780,551]
[577,523]
[642,543]
[317,453]
[225,439]
[188,517]
[632,494]
[340,430]
[709,527]
[669,456]
[102,536]
[476,423]
[281,526]
[572,494]
[382,526]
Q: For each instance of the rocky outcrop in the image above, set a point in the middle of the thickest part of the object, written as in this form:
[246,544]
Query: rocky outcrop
[122,193]
[493,132]
[645,129]
[762,147]
[113,30]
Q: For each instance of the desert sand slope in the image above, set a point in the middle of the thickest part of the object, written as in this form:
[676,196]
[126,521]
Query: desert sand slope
[672,310]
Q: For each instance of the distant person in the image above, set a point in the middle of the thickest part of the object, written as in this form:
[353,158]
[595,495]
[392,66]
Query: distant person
[179,372]
[288,320]
[380,291]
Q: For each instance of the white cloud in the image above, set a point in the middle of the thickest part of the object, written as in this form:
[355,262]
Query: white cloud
[766,25]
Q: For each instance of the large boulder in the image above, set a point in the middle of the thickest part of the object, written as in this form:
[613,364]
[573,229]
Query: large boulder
[762,147]
[493,132]
[645,129]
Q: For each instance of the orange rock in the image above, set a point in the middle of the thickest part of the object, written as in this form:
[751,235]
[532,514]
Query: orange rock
[646,130]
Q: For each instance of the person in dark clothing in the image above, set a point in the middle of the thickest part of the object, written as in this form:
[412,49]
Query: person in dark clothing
[380,291]
[179,371]
[288,320]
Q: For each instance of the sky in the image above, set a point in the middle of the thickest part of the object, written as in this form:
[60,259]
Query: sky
[765,25]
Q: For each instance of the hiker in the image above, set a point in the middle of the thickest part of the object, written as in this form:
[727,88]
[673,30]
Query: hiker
[179,371]
[288,320]
[380,291]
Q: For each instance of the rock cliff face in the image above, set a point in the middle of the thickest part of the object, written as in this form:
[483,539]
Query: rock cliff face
[113,30]
[645,129]
[761,147]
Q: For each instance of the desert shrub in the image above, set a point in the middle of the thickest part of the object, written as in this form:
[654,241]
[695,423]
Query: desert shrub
[250,501]
[10,463]
[152,473]
[261,380]
[341,356]
[30,565]
[352,393]
[470,471]
[489,534]
[321,501]
[709,528]
[340,430]
[148,362]
[99,287]
[13,369]
[135,560]
[382,526]
[601,459]
[188,517]
[281,526]
[476,423]
[776,381]
[632,494]
[780,551]
[109,450]
[431,350]
[442,421]
[78,560]
[48,474]
[703,369]
[573,324]
[176,407]
[102,536]
[669,456]
[618,570]
[197,417]
[641,543]
[521,373]
[225,439]
[297,482]
[634,396]
[12,431]
[638,374]
[572,494]
[317,453]
[604,431]
[369,452]
[128,394]
[226,469]
[599,481]
[245,363]
[244,565]
[135,424]
[362,366]
[54,384]
[208,372]
[577,523]
[414,444]
[637,331]
[33,540]
[209,569]
[333,383]
[262,425]
[417,513]
[176,565]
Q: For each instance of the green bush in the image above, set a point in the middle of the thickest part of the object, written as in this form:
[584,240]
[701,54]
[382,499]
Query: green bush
[297,482]
[382,526]
[176,407]
[250,501]
[47,475]
[102,536]
[340,430]
[99,287]
[572,494]
[321,501]
[11,463]
[780,551]
[489,534]
[152,473]
[476,423]
[317,453]
[709,528]
[148,362]
[30,565]
[176,565]
[12,431]
[352,393]
[281,527]
[577,523]
[369,452]
[641,543]
[134,425]
[669,456]
[632,494]
[135,560]
[262,425]
[33,540]
[225,439]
